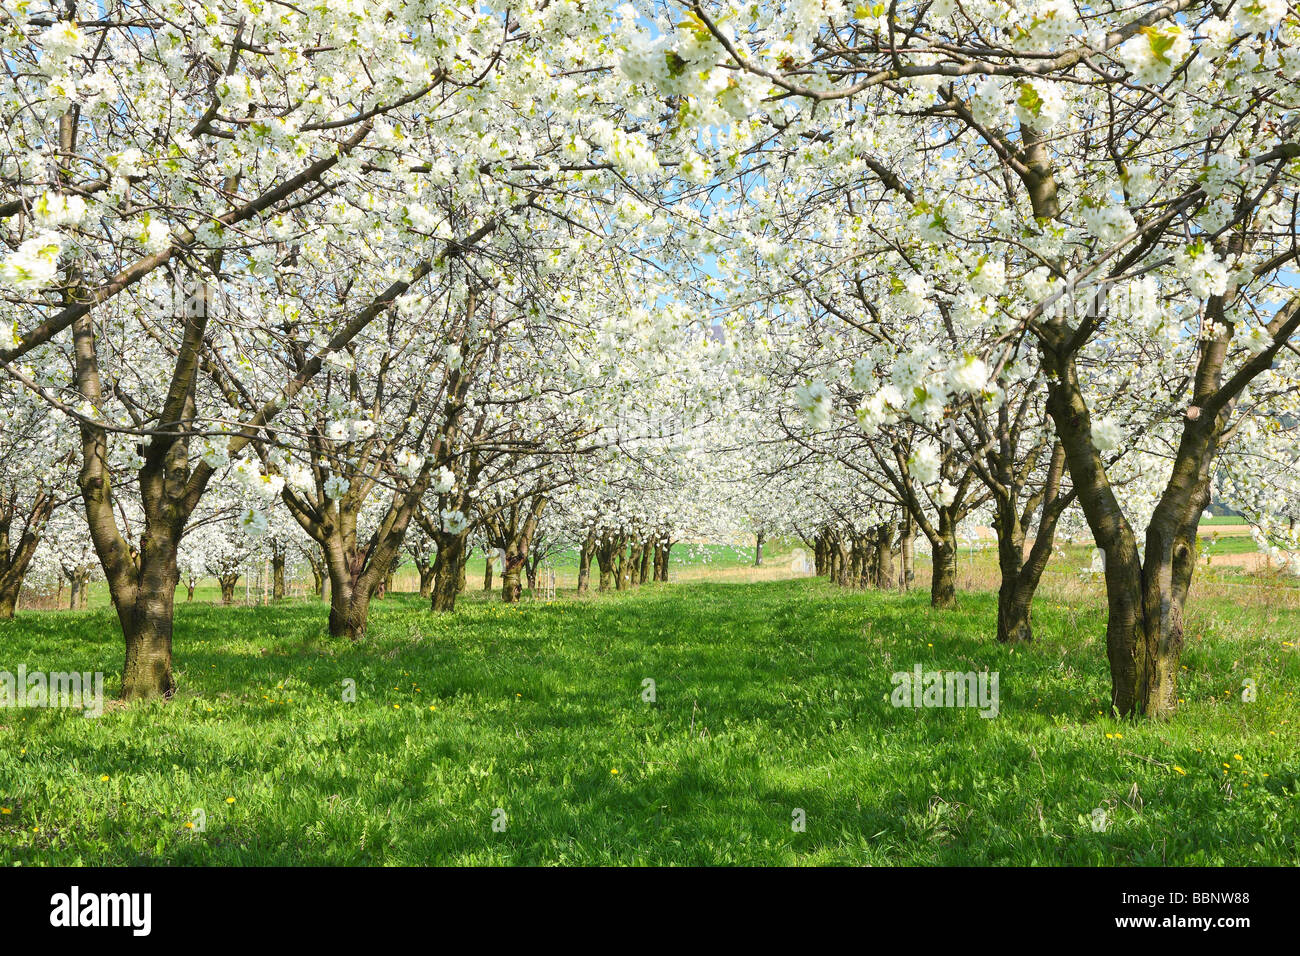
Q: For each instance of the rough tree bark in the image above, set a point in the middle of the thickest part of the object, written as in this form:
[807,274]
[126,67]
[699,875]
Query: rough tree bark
[584,562]
[448,571]
[278,588]
[1146,594]
[16,556]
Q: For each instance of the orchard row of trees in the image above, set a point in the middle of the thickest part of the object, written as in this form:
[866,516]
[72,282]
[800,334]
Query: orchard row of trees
[410,278]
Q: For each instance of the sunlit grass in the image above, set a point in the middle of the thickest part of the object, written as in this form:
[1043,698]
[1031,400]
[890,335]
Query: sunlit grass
[770,697]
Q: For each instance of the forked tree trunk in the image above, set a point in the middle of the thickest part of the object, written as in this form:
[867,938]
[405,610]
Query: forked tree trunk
[425,569]
[228,582]
[662,552]
[632,565]
[857,563]
[78,581]
[448,571]
[1144,599]
[15,561]
[1021,575]
[605,558]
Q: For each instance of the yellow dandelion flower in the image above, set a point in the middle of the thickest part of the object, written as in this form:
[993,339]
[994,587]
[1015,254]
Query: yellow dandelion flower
[230,799]
[104,779]
[1180,770]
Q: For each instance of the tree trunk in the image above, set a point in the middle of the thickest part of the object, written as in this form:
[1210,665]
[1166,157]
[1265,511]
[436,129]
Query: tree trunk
[228,582]
[1021,575]
[487,572]
[943,554]
[1144,598]
[605,558]
[647,552]
[349,605]
[147,671]
[511,589]
[426,572]
[448,571]
[661,561]
[907,552]
[144,609]
[845,564]
[882,566]
[632,566]
[857,563]
[278,589]
[758,550]
[14,562]
[584,563]
[9,601]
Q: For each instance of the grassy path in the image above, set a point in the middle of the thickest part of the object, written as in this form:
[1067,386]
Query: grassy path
[770,697]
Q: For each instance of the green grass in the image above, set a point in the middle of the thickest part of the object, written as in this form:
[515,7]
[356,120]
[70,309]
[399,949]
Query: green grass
[1228,544]
[770,697]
